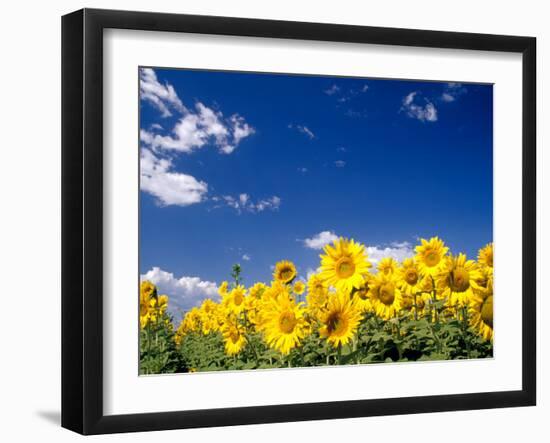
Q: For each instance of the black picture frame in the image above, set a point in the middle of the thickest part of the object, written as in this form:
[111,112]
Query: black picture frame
[82,218]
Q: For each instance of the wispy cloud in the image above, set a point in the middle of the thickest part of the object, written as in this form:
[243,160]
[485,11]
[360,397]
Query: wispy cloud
[452,92]
[167,186]
[302,170]
[345,97]
[339,163]
[303,129]
[342,94]
[243,203]
[333,89]
[161,96]
[184,292]
[246,257]
[419,108]
[318,241]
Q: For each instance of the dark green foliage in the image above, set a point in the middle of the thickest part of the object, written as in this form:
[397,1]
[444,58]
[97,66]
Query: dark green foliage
[158,354]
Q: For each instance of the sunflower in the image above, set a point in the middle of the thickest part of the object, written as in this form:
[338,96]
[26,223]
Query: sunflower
[457,278]
[144,308]
[209,316]
[361,296]
[317,294]
[233,337]
[344,264]
[385,296]
[409,276]
[234,300]
[190,323]
[299,287]
[257,290]
[480,312]
[222,290]
[485,256]
[340,320]
[483,281]
[252,307]
[157,307]
[283,324]
[147,289]
[285,271]
[387,266]
[315,284]
[274,291]
[429,255]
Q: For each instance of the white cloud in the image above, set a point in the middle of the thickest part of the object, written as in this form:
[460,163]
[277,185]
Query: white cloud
[339,163]
[341,149]
[365,88]
[452,91]
[174,188]
[197,129]
[246,257]
[318,241]
[302,170]
[241,129]
[184,292]
[170,188]
[332,90]
[303,129]
[243,203]
[424,111]
[446,97]
[161,96]
[397,251]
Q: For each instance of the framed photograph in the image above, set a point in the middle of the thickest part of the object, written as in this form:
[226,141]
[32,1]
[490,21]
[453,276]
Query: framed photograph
[269,221]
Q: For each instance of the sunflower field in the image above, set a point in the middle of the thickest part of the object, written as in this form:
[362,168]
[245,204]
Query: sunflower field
[433,306]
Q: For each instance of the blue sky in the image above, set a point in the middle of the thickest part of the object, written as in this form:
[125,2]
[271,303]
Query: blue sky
[254,168]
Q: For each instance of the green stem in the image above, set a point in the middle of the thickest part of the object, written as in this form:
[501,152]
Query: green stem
[434,300]
[249,341]
[465,331]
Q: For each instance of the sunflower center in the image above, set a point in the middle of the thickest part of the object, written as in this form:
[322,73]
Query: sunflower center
[487,311]
[287,322]
[411,277]
[286,274]
[234,335]
[362,292]
[432,258]
[407,303]
[387,294]
[345,267]
[142,309]
[459,280]
[336,324]
[321,297]
[238,299]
